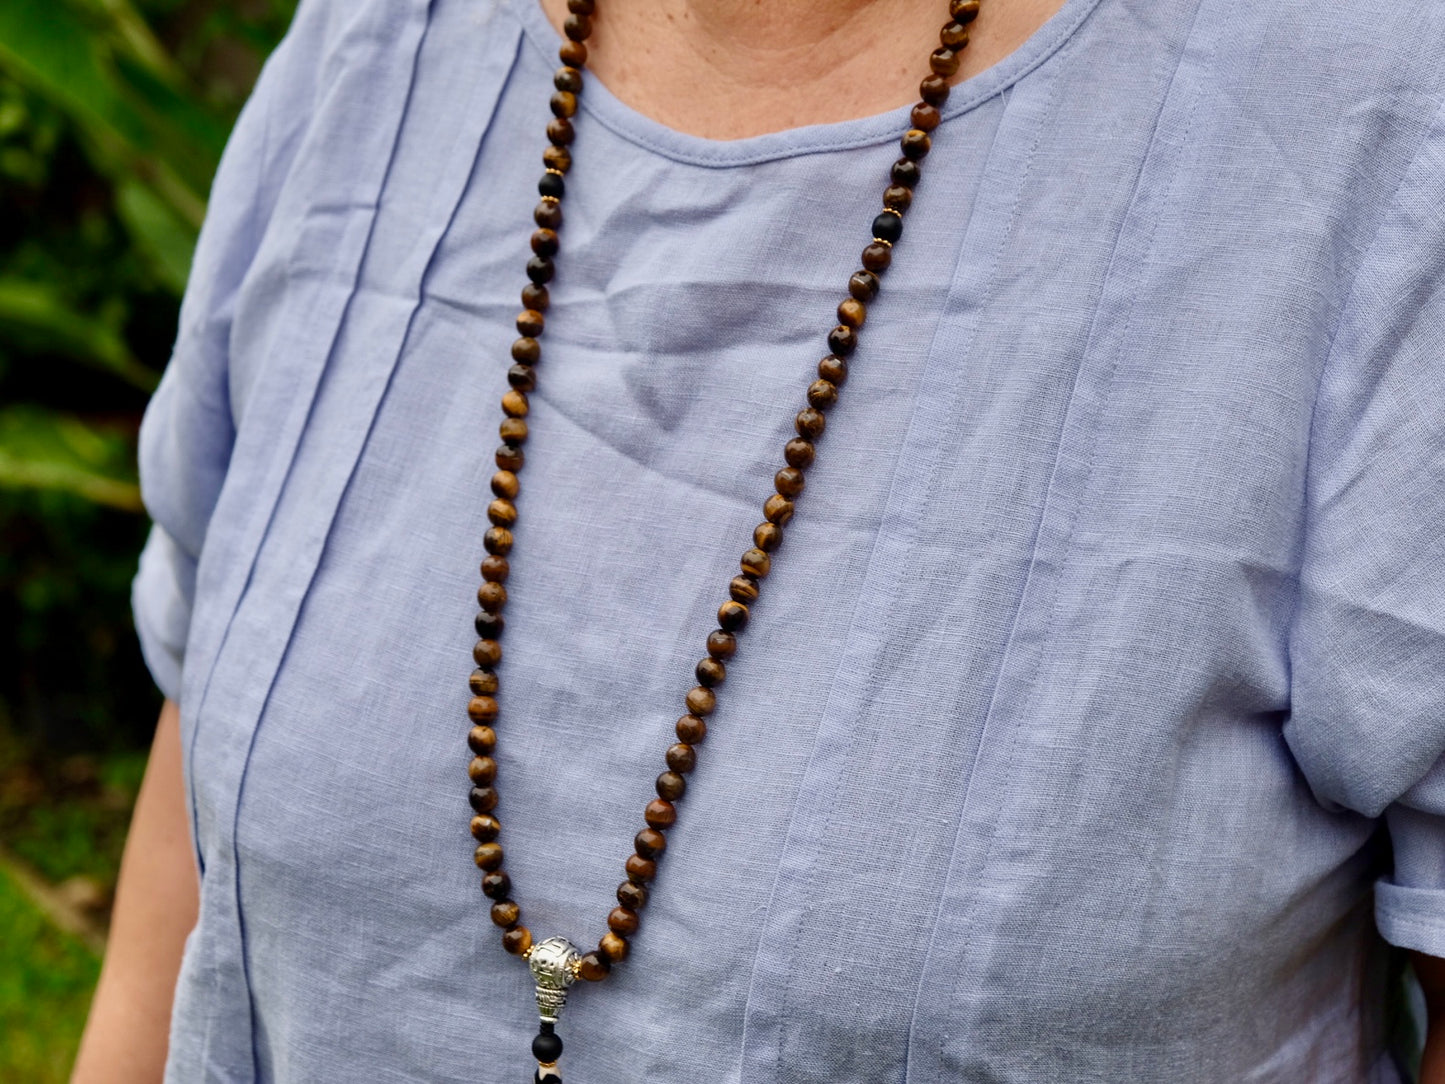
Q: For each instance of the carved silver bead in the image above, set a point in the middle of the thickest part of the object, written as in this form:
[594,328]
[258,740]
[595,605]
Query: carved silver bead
[554,965]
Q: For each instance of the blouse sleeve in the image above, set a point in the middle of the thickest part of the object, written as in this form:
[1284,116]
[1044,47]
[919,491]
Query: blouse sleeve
[1367,651]
[188,430]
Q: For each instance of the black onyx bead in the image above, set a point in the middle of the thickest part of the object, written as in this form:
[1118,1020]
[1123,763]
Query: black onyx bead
[540,269]
[888,227]
[547,1048]
[522,377]
[497,885]
[842,340]
[568,79]
[915,144]
[544,242]
[552,185]
[906,172]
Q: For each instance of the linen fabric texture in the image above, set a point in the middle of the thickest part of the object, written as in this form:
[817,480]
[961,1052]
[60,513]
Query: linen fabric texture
[1089,725]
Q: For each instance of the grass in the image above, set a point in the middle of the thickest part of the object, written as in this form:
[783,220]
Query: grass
[46,978]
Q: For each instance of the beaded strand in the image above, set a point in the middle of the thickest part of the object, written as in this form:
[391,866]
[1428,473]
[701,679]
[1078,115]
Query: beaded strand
[744,589]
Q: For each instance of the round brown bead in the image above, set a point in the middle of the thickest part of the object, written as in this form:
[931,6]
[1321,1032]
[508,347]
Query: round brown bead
[842,340]
[486,828]
[491,596]
[822,394]
[488,856]
[877,256]
[671,786]
[522,377]
[851,313]
[640,870]
[943,61]
[483,799]
[502,512]
[505,913]
[581,7]
[560,131]
[517,940]
[934,90]
[556,158]
[482,770]
[496,569]
[536,297]
[863,285]
[577,27]
[513,430]
[482,683]
[732,616]
[510,457]
[514,403]
[544,243]
[569,79]
[497,885]
[482,709]
[660,813]
[701,701]
[755,562]
[778,509]
[593,967]
[681,758]
[621,920]
[505,484]
[925,118]
[897,198]
[489,626]
[722,644]
[481,740]
[915,145]
[906,173]
[487,653]
[498,541]
[650,843]
[710,672]
[834,369]
[810,424]
[953,36]
[799,452]
[743,589]
[563,103]
[768,536]
[691,730]
[789,481]
[612,948]
[573,53]
[631,896]
[548,214]
[963,11]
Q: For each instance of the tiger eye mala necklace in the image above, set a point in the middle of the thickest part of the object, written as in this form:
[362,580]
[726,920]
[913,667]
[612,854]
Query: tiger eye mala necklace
[555,963]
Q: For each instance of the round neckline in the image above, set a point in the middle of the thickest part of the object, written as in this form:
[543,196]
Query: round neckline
[640,129]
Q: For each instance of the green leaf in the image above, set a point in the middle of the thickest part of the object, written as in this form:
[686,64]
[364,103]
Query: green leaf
[32,315]
[166,240]
[40,449]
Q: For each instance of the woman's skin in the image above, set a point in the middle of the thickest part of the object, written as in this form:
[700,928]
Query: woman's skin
[721,69]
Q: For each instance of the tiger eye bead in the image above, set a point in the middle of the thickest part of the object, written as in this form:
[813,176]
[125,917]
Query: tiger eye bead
[650,843]
[863,286]
[915,144]
[560,131]
[488,856]
[593,967]
[897,198]
[833,369]
[544,244]
[755,562]
[568,79]
[482,683]
[491,596]
[481,740]
[671,786]
[925,117]
[631,896]
[515,405]
[582,7]
[509,457]
[535,297]
[877,257]
[621,920]
[842,340]
[691,730]
[577,27]
[778,509]
[769,536]
[906,173]
[934,90]
[487,653]
[640,870]
[501,512]
[851,313]
[660,813]
[563,103]
[964,11]
[513,430]
[789,481]
[482,770]
[742,589]
[953,36]
[799,452]
[497,885]
[489,626]
[573,53]
[483,799]
[522,377]
[822,394]
[710,672]
[732,616]
[540,269]
[681,758]
[721,644]
[498,541]
[496,569]
[506,485]
[612,948]
[486,828]
[810,424]
[701,700]
[517,940]
[505,913]
[482,709]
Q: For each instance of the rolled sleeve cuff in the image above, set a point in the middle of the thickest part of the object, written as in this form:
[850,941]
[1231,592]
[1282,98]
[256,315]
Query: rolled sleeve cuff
[1411,918]
[161,602]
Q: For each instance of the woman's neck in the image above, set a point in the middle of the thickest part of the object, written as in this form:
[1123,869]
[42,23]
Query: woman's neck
[728,69]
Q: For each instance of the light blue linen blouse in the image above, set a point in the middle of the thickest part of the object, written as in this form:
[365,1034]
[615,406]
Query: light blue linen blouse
[1102,672]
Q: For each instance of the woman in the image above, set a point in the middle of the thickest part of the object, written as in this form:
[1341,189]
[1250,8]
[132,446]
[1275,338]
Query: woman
[1096,686]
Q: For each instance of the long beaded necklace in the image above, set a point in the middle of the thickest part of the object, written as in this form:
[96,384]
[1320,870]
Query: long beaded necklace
[555,963]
